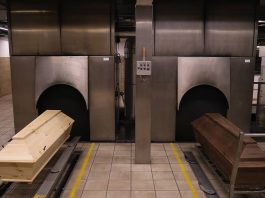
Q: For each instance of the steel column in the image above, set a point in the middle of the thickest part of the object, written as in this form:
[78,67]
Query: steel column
[144,17]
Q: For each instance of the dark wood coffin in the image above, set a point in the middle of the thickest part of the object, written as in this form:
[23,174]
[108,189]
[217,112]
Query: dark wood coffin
[219,139]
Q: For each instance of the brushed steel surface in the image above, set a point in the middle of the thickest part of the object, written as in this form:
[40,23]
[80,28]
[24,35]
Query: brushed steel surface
[86,27]
[102,98]
[242,77]
[143,14]
[69,70]
[164,82]
[179,27]
[35,27]
[23,90]
[194,71]
[229,28]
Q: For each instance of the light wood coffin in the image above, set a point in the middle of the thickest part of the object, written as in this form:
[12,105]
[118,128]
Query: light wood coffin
[31,149]
[219,139]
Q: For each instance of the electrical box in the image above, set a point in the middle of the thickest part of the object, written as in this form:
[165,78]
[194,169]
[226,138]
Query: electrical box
[144,68]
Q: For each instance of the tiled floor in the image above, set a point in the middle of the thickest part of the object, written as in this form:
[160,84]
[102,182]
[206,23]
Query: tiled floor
[6,119]
[112,173]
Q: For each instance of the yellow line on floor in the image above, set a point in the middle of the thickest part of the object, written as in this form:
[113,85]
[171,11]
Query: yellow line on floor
[82,171]
[39,196]
[184,171]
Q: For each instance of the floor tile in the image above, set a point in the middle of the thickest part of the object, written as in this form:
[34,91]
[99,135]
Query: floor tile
[168,194]
[96,185]
[123,147]
[103,159]
[142,185]
[179,176]
[121,167]
[99,175]
[118,194]
[162,175]
[170,153]
[183,185]
[121,160]
[120,175]
[104,153]
[100,167]
[93,194]
[160,167]
[159,160]
[182,158]
[143,194]
[119,185]
[143,175]
[122,153]
[158,153]
[141,167]
[176,167]
[157,147]
[167,146]
[105,146]
[165,185]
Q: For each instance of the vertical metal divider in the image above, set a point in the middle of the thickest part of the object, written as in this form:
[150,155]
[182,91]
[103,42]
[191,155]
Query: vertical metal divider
[144,29]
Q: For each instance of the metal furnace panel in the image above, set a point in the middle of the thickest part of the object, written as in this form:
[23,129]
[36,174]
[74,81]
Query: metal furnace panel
[194,71]
[34,27]
[102,98]
[164,101]
[86,27]
[229,27]
[242,77]
[179,27]
[69,70]
[23,90]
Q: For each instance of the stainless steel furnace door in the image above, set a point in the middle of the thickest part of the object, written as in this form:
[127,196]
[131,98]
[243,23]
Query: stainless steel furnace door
[102,98]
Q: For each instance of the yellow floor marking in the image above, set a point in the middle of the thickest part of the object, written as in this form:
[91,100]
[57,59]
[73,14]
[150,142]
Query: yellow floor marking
[184,171]
[81,172]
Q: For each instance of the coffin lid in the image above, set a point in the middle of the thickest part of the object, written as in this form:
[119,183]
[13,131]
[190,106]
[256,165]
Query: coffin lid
[28,145]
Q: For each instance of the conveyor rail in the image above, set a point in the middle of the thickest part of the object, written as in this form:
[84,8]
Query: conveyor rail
[54,178]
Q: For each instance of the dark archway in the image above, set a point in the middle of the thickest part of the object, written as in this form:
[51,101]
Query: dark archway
[196,102]
[71,102]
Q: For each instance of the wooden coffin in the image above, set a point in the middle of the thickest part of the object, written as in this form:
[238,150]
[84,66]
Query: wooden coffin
[219,139]
[31,149]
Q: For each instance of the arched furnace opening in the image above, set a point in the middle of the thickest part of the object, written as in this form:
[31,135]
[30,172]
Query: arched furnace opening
[71,102]
[196,102]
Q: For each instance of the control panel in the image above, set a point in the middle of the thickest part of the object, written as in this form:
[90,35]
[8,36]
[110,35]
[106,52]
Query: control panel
[144,68]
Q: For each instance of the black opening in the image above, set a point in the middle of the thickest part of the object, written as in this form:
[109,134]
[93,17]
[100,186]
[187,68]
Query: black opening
[71,102]
[196,102]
